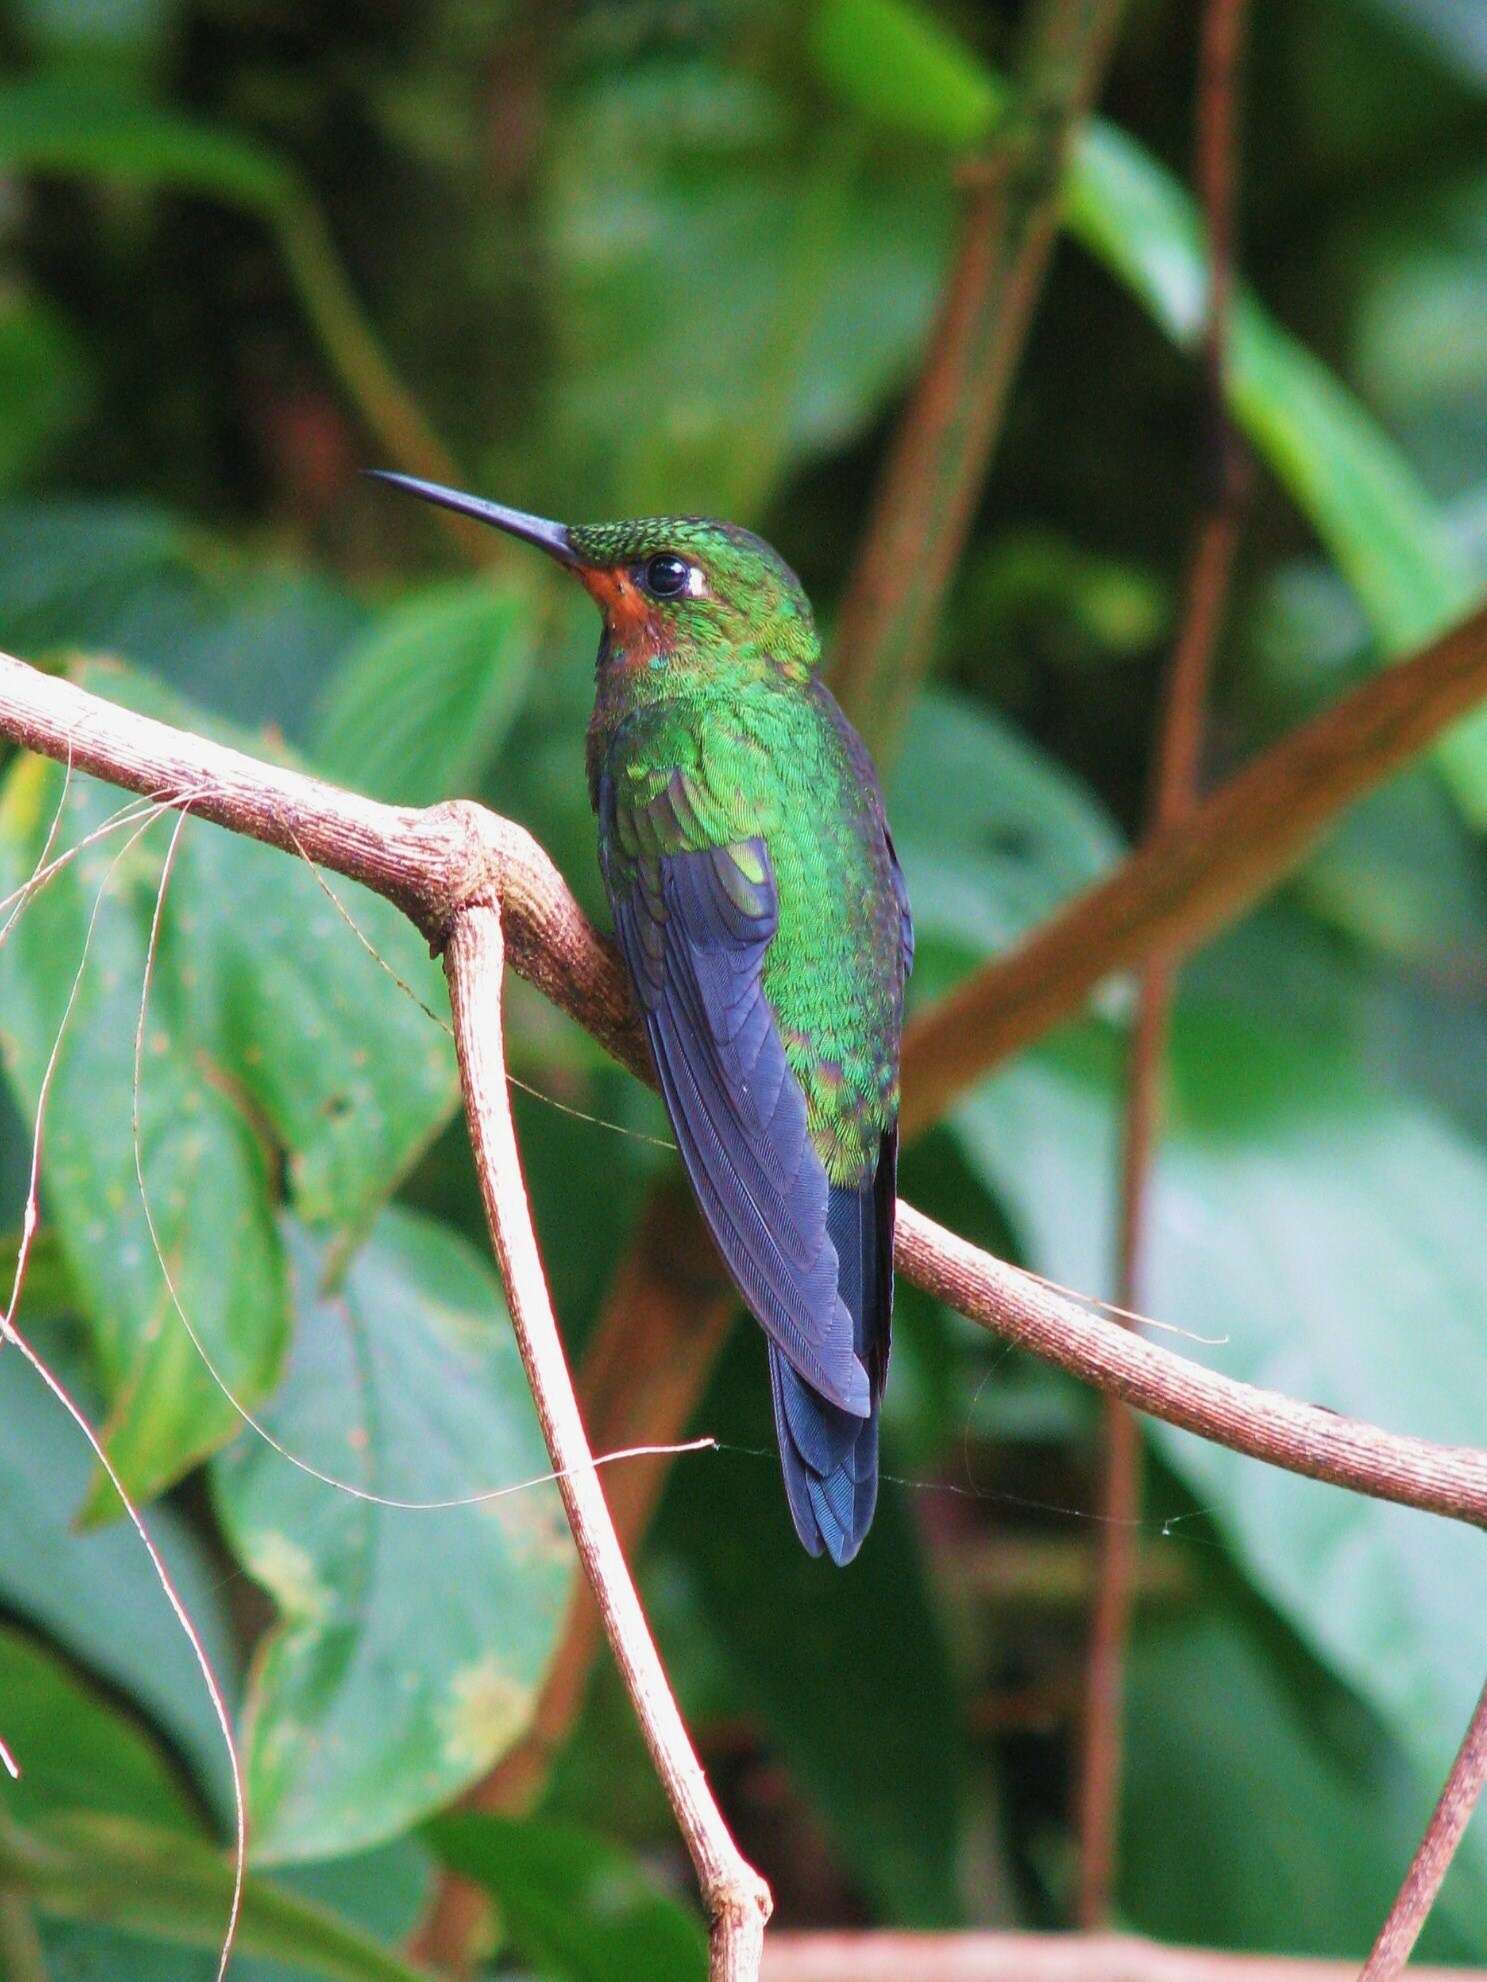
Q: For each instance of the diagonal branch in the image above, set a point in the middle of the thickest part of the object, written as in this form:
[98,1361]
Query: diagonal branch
[1283,1431]
[1189,880]
[1014,1957]
[736,1898]
[437,863]
[644,1366]
[927,496]
[1428,1868]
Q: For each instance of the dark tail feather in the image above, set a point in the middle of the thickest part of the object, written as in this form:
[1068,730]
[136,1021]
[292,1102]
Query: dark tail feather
[830,1457]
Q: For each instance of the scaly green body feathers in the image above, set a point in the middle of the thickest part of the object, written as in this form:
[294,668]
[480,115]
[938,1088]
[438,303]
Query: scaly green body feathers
[768,760]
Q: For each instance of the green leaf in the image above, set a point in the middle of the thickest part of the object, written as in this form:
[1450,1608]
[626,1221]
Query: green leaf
[900,66]
[572,1904]
[204,1167]
[82,1866]
[1452,31]
[96,1593]
[410,1642]
[992,833]
[240,637]
[1264,1808]
[73,1751]
[267,1015]
[1323,1231]
[292,989]
[1343,472]
[848,1668]
[68,567]
[776,342]
[1400,870]
[419,706]
[56,125]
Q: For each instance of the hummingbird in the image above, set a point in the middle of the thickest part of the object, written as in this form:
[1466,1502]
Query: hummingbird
[761,912]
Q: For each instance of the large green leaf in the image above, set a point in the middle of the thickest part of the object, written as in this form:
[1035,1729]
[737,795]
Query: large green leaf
[848,1668]
[267,1013]
[1342,470]
[68,566]
[1324,1232]
[165,1886]
[51,125]
[572,1904]
[410,1642]
[98,1830]
[96,1593]
[773,342]
[73,1752]
[421,705]
[277,978]
[247,638]
[205,1168]
[1264,1808]
[992,833]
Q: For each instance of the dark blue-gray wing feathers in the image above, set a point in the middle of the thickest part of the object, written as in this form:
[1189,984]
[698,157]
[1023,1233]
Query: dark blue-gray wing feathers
[813,1260]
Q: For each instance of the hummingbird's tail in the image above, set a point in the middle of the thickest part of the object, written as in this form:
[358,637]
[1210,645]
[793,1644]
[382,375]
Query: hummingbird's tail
[829,1456]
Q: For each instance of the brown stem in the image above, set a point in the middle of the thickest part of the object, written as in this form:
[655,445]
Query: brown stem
[736,1898]
[1190,879]
[1179,744]
[1041,1958]
[1303,1438]
[1431,1862]
[937,466]
[438,862]
[644,1367]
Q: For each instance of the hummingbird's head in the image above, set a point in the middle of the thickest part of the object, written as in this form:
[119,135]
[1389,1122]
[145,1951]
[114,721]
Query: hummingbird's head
[680,595]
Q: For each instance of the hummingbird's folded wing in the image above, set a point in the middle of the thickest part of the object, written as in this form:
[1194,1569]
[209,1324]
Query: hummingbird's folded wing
[694,925]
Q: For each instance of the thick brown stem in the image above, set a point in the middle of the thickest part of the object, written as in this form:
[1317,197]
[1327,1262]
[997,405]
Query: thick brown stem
[1179,745]
[736,1898]
[935,471]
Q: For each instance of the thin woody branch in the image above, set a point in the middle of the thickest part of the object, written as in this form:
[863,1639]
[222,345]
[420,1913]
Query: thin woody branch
[1283,1431]
[1432,1861]
[1042,1958]
[644,1366]
[452,857]
[1223,473]
[736,1898]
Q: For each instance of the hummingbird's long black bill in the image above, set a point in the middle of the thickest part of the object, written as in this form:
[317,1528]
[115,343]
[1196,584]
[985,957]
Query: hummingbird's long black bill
[550,537]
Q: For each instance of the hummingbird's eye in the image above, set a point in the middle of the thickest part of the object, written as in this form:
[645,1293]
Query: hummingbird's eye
[666,576]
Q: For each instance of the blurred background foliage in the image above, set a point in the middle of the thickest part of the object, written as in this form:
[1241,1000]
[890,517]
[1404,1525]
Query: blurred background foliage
[683,255]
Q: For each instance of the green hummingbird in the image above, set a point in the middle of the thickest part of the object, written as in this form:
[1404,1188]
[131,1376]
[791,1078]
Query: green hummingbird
[761,910]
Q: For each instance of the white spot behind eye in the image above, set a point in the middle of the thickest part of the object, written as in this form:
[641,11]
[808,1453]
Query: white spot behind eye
[696,586]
